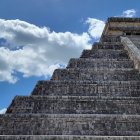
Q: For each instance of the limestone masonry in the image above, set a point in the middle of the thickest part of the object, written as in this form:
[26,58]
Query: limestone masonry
[97,97]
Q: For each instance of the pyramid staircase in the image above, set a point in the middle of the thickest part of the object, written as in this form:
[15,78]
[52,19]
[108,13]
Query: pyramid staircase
[96,97]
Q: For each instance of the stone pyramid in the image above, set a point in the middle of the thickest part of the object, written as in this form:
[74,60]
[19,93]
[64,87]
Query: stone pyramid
[97,97]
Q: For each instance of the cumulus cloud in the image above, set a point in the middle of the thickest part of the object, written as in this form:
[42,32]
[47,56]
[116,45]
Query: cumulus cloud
[36,51]
[129,13]
[95,27]
[2,111]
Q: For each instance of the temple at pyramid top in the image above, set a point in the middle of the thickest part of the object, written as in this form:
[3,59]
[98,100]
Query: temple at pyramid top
[96,97]
[122,26]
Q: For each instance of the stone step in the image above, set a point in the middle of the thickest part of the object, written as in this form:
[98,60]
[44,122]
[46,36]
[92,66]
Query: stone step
[96,75]
[105,53]
[70,124]
[66,137]
[75,105]
[99,63]
[115,46]
[87,88]
[112,39]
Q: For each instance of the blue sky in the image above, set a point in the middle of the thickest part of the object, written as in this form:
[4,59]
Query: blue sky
[38,36]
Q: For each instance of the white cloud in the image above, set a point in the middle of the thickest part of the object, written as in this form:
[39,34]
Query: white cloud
[95,27]
[2,111]
[35,51]
[129,13]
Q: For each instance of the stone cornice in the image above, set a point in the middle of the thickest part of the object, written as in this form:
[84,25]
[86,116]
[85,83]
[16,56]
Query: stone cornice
[123,19]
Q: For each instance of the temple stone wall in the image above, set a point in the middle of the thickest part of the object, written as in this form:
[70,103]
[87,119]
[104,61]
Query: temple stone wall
[121,26]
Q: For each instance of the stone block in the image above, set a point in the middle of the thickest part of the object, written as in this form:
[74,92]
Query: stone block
[102,64]
[104,54]
[96,75]
[88,88]
[70,124]
[75,105]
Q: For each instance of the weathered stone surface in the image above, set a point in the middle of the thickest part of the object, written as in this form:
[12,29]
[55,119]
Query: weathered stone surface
[135,39]
[96,75]
[70,124]
[75,105]
[66,137]
[121,26]
[113,39]
[125,19]
[88,88]
[133,51]
[100,63]
[105,53]
[106,45]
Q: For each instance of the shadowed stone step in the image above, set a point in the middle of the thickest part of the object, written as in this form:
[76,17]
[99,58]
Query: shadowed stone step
[111,38]
[66,137]
[87,88]
[94,75]
[70,124]
[99,63]
[115,46]
[75,105]
[104,53]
